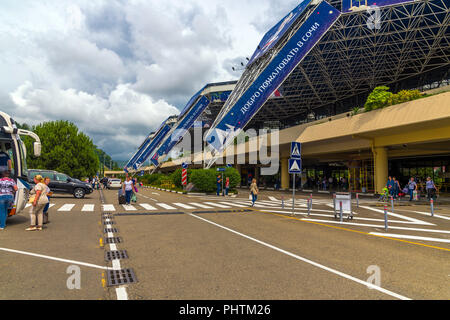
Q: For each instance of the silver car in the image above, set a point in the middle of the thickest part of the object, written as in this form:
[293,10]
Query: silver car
[114,184]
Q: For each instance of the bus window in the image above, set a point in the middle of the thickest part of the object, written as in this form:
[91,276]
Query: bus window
[7,157]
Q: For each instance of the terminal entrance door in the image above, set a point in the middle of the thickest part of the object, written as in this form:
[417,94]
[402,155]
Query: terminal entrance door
[361,176]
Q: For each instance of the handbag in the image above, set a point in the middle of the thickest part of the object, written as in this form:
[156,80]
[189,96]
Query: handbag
[134,198]
[31,198]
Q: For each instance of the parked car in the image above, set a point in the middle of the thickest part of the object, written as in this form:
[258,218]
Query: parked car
[61,183]
[114,184]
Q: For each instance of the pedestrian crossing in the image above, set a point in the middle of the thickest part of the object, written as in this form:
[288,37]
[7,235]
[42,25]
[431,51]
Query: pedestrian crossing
[234,203]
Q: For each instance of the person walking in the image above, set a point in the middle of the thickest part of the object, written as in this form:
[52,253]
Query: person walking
[38,203]
[7,189]
[47,206]
[219,182]
[227,186]
[128,186]
[390,185]
[395,187]
[254,191]
[431,189]
[412,186]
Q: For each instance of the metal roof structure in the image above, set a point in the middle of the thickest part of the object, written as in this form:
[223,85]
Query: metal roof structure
[409,49]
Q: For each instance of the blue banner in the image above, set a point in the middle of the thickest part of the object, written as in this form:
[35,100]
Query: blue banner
[277,32]
[147,152]
[180,129]
[289,57]
[347,5]
[142,147]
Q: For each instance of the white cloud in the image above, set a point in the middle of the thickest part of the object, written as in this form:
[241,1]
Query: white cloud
[118,68]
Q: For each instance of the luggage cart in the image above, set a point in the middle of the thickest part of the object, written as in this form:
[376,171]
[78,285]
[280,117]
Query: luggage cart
[346,200]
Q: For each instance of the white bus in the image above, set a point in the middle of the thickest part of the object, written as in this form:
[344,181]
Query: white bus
[11,144]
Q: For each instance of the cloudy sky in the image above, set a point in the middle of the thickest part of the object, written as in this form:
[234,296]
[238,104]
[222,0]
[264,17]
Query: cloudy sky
[118,68]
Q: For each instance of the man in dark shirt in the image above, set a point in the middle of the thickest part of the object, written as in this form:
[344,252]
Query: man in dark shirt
[5,160]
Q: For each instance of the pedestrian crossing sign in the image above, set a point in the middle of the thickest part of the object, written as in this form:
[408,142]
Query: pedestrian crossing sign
[296,150]
[295,166]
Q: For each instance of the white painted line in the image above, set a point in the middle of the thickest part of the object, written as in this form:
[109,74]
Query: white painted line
[54,258]
[270,203]
[200,205]
[403,236]
[66,207]
[428,214]
[129,207]
[88,208]
[146,206]
[218,205]
[341,274]
[234,204]
[108,207]
[379,226]
[274,199]
[155,193]
[165,206]
[122,293]
[182,205]
[417,221]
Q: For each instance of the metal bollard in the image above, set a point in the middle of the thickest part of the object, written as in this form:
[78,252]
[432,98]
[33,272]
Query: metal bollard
[357,200]
[392,203]
[340,210]
[385,218]
[334,204]
[309,207]
[432,207]
[282,202]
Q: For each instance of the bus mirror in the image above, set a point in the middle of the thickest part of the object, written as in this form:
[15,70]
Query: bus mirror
[37,149]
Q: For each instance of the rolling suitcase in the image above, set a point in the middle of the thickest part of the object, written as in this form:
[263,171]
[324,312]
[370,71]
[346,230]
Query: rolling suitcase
[122,199]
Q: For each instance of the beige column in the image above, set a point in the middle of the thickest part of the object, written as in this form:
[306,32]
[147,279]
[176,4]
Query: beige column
[285,173]
[381,168]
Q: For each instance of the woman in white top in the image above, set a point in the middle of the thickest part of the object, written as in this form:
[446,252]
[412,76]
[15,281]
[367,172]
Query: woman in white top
[128,187]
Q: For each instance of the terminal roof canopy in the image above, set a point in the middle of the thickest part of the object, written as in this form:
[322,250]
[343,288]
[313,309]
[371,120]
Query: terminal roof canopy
[409,48]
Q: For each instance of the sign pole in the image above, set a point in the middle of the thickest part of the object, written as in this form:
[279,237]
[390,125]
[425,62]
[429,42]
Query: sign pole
[293,194]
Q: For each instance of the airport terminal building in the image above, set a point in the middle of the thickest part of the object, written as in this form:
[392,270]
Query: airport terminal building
[404,45]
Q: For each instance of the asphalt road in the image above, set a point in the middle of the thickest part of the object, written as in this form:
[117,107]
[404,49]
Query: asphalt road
[207,247]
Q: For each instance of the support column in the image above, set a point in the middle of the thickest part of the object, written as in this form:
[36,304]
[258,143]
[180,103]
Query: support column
[285,173]
[381,168]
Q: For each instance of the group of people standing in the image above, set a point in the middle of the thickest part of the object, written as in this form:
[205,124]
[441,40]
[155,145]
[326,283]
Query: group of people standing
[411,188]
[39,200]
[219,185]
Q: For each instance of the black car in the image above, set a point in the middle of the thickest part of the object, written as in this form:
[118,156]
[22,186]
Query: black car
[62,183]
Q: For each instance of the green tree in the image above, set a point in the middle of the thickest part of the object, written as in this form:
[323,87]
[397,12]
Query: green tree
[64,149]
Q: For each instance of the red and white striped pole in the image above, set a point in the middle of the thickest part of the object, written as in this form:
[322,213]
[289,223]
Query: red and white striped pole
[184,177]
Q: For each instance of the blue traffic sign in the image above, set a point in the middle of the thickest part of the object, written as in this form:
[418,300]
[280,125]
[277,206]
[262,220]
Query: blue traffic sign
[295,166]
[184,165]
[296,150]
[221,169]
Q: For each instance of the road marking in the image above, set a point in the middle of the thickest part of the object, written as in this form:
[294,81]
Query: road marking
[155,193]
[429,215]
[54,258]
[200,205]
[404,236]
[129,207]
[289,211]
[217,205]
[234,204]
[165,206]
[318,265]
[182,205]
[417,221]
[146,206]
[108,207]
[351,230]
[66,207]
[88,207]
[379,226]
[274,199]
[270,203]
